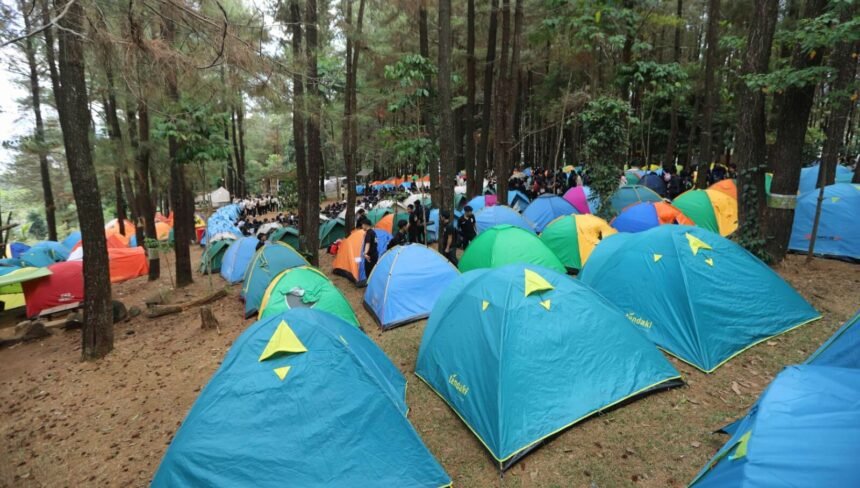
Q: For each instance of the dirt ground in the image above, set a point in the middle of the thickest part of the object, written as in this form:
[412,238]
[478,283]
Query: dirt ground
[64,422]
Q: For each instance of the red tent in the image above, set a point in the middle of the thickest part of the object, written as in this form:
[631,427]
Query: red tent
[64,287]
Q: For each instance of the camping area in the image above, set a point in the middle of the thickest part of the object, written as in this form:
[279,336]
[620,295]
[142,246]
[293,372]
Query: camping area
[426,243]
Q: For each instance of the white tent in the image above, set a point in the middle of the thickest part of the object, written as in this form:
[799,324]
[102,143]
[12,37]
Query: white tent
[218,198]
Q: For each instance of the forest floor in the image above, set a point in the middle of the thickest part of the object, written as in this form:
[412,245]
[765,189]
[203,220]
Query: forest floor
[64,422]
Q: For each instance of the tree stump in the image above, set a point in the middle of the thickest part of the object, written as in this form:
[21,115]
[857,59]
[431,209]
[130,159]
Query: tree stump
[120,313]
[208,320]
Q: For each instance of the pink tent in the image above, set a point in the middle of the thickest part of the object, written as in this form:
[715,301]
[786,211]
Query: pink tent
[578,197]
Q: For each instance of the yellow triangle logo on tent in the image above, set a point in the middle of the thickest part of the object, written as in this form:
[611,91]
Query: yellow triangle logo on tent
[484,305]
[282,372]
[658,257]
[283,340]
[696,243]
[834,199]
[710,261]
[536,283]
[545,304]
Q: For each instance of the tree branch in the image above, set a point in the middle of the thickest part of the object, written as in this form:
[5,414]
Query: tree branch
[42,28]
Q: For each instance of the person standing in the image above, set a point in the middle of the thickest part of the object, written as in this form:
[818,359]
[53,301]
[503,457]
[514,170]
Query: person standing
[400,237]
[370,250]
[448,237]
[413,223]
[468,226]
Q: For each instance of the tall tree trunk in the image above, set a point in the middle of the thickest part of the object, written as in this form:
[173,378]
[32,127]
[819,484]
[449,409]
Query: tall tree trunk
[469,109]
[712,38]
[750,148]
[120,202]
[791,126]
[447,154]
[481,162]
[425,112]
[39,133]
[137,118]
[178,186]
[315,157]
[845,66]
[500,152]
[240,125]
[669,157]
[73,107]
[299,123]
[350,124]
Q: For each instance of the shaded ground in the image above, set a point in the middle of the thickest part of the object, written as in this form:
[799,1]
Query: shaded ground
[68,423]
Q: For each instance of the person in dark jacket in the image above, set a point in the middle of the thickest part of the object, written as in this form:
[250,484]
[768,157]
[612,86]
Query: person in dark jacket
[468,226]
[448,237]
[370,249]
[401,238]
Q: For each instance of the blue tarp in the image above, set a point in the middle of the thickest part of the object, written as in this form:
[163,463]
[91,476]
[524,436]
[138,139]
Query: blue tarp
[59,249]
[44,254]
[72,239]
[223,220]
[237,257]
[326,409]
[16,249]
[500,214]
[699,296]
[546,208]
[809,177]
[839,226]
[406,283]
[522,352]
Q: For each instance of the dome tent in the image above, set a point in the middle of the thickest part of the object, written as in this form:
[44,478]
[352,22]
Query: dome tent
[630,194]
[522,352]
[213,255]
[546,208]
[582,199]
[274,413]
[645,215]
[809,177]
[305,287]
[506,244]
[269,261]
[655,183]
[517,200]
[498,215]
[288,235]
[573,237]
[839,224]
[406,283]
[237,257]
[349,261]
[709,209]
[331,231]
[698,296]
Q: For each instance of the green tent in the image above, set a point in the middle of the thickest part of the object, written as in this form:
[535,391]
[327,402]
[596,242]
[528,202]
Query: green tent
[288,235]
[330,231]
[210,261]
[459,201]
[696,295]
[506,244]
[305,287]
[376,214]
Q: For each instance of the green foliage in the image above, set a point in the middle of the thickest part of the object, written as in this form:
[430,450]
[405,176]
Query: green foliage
[412,73]
[605,123]
[199,130]
[749,234]
[37,227]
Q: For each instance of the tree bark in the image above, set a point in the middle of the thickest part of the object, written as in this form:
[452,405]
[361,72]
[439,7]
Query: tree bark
[299,121]
[840,102]
[39,133]
[240,124]
[425,112]
[750,147]
[315,157]
[469,109]
[706,155]
[178,185]
[137,119]
[73,107]
[481,162]
[447,153]
[669,157]
[791,127]
[500,130]
[350,107]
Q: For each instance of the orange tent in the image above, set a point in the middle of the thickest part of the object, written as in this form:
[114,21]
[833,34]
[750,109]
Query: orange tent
[114,241]
[127,263]
[669,214]
[112,227]
[162,230]
[386,223]
[347,263]
[726,186]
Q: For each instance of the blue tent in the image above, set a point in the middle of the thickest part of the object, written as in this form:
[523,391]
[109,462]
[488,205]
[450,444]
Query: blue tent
[522,352]
[41,256]
[809,177]
[432,225]
[301,399]
[269,261]
[517,200]
[406,283]
[222,221]
[655,183]
[477,203]
[699,296]
[803,431]
[72,239]
[359,189]
[16,249]
[546,208]
[500,214]
[58,249]
[843,347]
[237,257]
[839,226]
[630,194]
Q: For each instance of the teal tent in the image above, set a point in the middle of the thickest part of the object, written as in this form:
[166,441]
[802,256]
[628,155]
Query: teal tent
[213,254]
[699,296]
[630,194]
[522,352]
[301,399]
[330,231]
[289,235]
[269,261]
